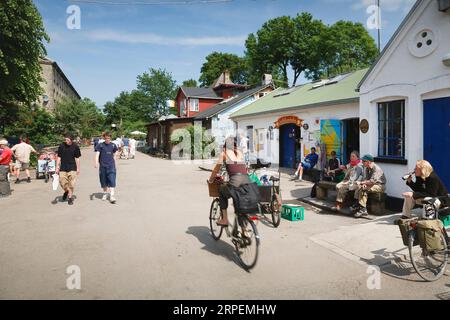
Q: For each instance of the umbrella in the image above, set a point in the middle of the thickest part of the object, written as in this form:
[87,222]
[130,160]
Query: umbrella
[138,132]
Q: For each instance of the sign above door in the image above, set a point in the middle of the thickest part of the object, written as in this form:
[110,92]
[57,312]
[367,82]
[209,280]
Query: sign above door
[288,120]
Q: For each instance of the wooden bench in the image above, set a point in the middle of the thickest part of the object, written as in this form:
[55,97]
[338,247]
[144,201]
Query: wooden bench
[376,203]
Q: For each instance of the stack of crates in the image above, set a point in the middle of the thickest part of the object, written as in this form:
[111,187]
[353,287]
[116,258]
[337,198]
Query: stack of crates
[293,212]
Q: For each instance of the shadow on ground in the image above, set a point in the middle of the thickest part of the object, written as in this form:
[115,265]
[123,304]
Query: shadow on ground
[218,248]
[60,199]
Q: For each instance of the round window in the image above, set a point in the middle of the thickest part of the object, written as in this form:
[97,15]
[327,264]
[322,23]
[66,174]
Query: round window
[423,43]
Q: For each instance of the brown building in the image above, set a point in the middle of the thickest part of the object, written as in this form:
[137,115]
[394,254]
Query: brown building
[56,85]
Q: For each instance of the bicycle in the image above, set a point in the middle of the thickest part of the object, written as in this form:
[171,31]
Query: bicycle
[270,194]
[242,231]
[429,264]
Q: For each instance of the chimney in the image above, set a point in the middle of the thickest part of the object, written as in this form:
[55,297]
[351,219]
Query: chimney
[226,77]
[267,79]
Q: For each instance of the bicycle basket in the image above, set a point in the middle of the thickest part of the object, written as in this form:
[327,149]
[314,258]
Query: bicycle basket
[213,189]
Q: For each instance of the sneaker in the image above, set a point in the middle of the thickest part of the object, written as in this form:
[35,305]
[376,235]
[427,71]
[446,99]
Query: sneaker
[112,200]
[64,197]
[361,213]
[105,197]
[29,180]
[17,181]
[70,202]
[355,207]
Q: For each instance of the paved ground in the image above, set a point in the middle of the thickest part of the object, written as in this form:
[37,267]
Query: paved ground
[155,244]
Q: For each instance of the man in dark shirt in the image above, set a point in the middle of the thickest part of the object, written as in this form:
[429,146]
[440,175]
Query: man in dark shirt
[427,184]
[68,166]
[105,155]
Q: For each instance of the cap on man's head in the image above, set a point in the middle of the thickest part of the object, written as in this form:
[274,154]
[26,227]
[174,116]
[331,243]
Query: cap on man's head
[3,142]
[368,157]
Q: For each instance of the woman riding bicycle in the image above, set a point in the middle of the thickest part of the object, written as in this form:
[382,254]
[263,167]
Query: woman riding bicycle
[236,168]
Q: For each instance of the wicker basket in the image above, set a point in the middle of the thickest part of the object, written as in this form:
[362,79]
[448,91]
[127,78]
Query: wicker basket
[213,189]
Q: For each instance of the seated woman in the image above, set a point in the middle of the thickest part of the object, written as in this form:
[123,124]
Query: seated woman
[236,167]
[309,163]
[353,174]
[427,184]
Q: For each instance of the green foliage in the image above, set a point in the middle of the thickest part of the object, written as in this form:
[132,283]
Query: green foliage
[22,37]
[218,62]
[190,83]
[81,117]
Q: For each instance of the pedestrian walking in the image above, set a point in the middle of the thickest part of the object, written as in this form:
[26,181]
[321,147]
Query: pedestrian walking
[68,166]
[5,159]
[132,148]
[105,160]
[22,152]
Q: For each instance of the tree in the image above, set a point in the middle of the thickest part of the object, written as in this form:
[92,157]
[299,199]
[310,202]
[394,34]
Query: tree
[218,62]
[22,37]
[78,116]
[190,83]
[271,48]
[154,89]
[345,47]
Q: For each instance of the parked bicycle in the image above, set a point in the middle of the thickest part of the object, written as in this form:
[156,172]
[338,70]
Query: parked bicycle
[242,231]
[429,263]
[270,194]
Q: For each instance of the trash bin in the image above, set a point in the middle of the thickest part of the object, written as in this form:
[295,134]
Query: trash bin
[5,189]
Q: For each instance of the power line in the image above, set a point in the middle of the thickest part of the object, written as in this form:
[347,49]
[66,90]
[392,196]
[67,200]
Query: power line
[151,3]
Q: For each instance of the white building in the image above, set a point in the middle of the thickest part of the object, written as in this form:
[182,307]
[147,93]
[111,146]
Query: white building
[285,124]
[405,97]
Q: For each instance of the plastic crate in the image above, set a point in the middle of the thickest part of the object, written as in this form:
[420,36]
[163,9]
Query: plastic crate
[293,212]
[445,220]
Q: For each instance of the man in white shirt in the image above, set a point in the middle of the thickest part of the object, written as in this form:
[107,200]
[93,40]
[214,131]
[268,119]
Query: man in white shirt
[22,152]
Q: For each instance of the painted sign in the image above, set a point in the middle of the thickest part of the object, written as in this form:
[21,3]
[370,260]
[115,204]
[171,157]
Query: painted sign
[288,120]
[364,126]
[331,133]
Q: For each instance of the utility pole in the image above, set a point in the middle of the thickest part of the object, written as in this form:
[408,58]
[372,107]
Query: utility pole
[379,26]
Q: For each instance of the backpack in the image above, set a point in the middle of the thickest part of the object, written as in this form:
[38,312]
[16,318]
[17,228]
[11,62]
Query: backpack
[429,232]
[246,198]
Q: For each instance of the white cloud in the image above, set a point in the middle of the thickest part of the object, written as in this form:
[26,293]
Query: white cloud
[386,5]
[155,39]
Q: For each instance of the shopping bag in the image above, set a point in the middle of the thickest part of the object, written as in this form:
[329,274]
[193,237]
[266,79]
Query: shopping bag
[55,182]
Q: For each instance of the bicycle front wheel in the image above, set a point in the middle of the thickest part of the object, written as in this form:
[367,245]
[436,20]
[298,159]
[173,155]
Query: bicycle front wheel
[430,265]
[214,216]
[247,243]
[275,210]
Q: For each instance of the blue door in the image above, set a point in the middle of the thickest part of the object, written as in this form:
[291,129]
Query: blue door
[287,145]
[437,136]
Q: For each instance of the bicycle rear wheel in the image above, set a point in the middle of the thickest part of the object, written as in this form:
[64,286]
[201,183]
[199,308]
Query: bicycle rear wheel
[247,243]
[215,215]
[430,265]
[275,210]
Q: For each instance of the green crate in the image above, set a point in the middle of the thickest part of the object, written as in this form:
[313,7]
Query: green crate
[445,220]
[293,212]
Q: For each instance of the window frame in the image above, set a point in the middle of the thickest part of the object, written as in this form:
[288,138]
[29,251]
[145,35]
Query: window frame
[194,107]
[385,128]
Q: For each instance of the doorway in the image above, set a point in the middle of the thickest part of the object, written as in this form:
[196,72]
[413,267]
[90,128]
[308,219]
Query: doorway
[350,138]
[289,145]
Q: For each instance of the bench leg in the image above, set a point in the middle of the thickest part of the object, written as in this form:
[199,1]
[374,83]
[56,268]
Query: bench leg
[321,193]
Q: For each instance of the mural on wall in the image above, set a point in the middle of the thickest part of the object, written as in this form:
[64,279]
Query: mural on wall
[331,136]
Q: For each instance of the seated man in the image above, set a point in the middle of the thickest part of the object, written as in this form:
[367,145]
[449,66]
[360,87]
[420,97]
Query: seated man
[309,163]
[374,180]
[333,171]
[353,174]
[427,184]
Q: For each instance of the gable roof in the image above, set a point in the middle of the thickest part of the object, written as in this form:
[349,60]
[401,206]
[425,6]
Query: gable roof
[338,90]
[224,105]
[391,41]
[202,93]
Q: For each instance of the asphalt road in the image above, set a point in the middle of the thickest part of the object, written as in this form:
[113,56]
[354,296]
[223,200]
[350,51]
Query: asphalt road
[155,244]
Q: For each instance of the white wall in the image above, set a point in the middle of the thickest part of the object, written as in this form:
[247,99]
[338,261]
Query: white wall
[402,75]
[311,116]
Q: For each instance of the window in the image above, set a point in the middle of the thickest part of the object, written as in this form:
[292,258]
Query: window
[194,105]
[250,137]
[391,129]
[182,108]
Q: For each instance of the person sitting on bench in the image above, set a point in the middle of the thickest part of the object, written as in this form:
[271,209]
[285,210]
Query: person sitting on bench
[427,184]
[333,170]
[354,173]
[309,163]
[374,181]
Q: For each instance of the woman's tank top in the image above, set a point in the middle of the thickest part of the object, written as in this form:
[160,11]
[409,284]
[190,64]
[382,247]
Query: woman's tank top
[236,168]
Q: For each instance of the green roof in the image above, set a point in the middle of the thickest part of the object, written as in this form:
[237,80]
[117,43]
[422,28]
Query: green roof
[340,89]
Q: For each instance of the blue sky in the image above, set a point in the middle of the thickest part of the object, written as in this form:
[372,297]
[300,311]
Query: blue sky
[118,42]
